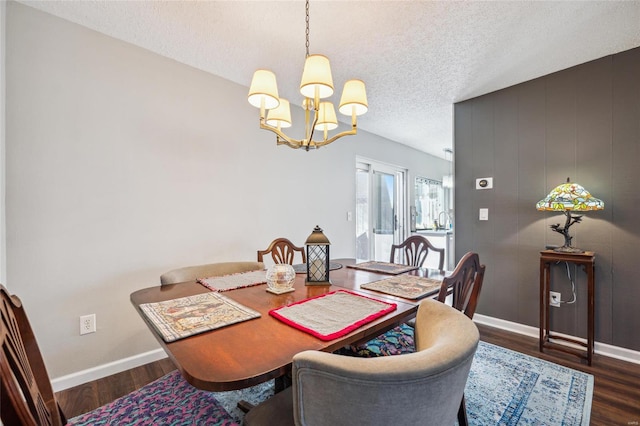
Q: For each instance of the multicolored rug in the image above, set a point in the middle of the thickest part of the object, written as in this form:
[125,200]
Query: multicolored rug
[504,388]
[167,401]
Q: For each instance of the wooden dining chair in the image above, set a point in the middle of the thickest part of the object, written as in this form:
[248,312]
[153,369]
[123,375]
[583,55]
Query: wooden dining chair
[464,284]
[282,251]
[414,251]
[28,399]
[192,273]
[422,388]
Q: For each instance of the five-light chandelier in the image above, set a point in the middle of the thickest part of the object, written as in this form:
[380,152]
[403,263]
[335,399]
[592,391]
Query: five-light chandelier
[316,84]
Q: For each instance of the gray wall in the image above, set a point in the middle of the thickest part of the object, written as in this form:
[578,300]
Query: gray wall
[583,123]
[3,257]
[122,164]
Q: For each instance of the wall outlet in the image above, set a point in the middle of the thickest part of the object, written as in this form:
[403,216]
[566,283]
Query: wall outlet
[87,324]
[554,299]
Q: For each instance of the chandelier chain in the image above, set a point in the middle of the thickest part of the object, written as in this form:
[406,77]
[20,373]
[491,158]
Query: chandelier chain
[316,84]
[307,29]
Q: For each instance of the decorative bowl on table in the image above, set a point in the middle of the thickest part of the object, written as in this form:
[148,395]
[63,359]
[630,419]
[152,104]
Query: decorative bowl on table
[280,278]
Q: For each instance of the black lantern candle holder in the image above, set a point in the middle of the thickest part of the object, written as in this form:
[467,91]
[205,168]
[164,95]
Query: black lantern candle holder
[317,258]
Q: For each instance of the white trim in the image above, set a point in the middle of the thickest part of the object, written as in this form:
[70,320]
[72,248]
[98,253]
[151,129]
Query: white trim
[95,373]
[104,370]
[611,351]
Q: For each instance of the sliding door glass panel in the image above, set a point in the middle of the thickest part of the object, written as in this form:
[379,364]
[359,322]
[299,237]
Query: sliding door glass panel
[363,229]
[380,210]
[385,220]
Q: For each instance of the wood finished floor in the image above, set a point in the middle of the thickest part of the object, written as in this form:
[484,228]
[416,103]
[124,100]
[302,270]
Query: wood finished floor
[616,396]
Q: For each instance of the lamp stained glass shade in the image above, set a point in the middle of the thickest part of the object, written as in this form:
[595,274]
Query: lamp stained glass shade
[570,196]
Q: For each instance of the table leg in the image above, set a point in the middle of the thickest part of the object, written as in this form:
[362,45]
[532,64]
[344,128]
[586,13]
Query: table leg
[591,312]
[544,303]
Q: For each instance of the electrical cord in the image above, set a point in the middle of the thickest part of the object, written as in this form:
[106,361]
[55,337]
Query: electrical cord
[573,284]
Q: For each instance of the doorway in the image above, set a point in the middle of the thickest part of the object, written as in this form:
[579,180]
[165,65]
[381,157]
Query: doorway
[380,209]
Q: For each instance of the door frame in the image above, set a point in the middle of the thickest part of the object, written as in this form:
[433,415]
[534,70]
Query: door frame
[401,211]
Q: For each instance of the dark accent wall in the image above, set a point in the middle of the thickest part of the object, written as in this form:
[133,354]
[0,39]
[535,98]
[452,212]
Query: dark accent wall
[583,123]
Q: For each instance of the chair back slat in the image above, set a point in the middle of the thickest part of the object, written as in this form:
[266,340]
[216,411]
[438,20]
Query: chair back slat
[414,251]
[464,284]
[27,394]
[282,251]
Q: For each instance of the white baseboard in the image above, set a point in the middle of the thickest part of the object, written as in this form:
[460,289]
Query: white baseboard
[611,351]
[104,370]
[95,373]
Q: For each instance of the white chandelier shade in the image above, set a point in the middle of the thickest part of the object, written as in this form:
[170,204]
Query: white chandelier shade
[280,116]
[354,98]
[327,119]
[263,92]
[316,84]
[317,81]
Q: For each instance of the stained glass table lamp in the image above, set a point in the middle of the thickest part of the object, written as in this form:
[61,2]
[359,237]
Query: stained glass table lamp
[569,197]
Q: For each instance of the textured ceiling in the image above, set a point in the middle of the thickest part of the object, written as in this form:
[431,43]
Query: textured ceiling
[417,58]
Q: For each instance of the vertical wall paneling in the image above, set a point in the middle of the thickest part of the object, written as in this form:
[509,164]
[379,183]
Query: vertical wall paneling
[561,162]
[594,143]
[531,123]
[484,151]
[505,201]
[463,180]
[582,123]
[623,206]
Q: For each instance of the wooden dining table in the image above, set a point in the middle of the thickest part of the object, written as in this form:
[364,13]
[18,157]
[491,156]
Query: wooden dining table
[254,351]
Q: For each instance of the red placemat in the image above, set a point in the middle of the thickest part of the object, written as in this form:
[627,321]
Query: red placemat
[332,315]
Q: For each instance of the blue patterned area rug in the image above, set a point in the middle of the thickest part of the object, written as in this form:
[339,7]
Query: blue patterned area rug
[510,388]
[504,388]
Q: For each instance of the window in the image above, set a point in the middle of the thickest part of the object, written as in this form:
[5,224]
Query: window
[429,203]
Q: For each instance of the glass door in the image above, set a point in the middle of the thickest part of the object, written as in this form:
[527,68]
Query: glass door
[380,211]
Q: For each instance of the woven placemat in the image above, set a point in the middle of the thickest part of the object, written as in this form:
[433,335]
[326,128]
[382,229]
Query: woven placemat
[406,286]
[178,318]
[233,281]
[384,267]
[332,315]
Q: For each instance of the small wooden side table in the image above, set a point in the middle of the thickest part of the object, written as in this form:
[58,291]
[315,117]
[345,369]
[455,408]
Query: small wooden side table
[587,261]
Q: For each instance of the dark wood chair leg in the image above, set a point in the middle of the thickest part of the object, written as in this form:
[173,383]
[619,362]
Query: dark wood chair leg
[245,406]
[462,413]
[281,383]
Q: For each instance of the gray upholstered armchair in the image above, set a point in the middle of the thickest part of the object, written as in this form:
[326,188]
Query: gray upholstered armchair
[192,273]
[422,388]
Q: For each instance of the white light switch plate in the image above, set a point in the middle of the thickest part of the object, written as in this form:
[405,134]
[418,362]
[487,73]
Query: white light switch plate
[484,214]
